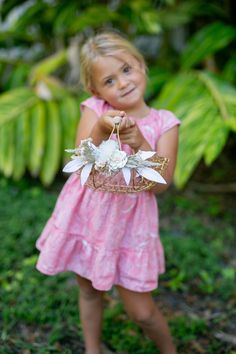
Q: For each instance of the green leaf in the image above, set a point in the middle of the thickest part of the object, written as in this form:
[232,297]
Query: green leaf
[206,42]
[18,76]
[231,123]
[206,105]
[7,148]
[229,71]
[48,65]
[23,17]
[217,138]
[157,77]
[21,143]
[14,102]
[37,137]
[52,153]
[93,16]
[64,18]
[69,114]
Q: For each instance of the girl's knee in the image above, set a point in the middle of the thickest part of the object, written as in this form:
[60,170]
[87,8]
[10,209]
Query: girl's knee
[87,291]
[143,316]
[90,294]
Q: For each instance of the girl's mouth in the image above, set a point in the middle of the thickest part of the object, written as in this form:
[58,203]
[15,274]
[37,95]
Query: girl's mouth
[128,92]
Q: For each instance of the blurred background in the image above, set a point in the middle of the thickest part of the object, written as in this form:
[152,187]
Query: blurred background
[189,47]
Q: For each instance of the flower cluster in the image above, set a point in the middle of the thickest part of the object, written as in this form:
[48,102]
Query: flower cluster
[108,159]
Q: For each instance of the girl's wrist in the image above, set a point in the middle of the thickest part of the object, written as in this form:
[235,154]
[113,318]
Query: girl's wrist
[145,146]
[98,133]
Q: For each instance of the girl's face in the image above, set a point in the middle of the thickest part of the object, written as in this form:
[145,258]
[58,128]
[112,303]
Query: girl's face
[119,80]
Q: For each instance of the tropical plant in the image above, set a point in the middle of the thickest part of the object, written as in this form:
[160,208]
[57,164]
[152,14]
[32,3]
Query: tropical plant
[205,101]
[39,110]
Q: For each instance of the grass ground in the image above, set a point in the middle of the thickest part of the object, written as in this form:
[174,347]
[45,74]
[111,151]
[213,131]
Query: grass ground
[38,314]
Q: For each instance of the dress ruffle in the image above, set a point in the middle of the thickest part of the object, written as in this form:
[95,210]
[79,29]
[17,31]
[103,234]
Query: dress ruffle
[134,269]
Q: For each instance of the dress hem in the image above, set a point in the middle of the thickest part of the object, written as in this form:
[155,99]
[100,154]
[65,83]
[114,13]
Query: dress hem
[116,283]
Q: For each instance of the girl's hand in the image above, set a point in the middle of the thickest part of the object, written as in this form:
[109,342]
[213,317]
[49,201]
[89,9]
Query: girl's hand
[134,138]
[108,120]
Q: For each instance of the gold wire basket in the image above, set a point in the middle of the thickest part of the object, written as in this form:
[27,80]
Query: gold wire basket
[116,183]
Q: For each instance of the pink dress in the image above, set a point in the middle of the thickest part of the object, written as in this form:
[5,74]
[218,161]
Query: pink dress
[109,238]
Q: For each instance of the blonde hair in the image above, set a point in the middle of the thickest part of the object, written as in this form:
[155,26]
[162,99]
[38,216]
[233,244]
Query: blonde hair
[103,44]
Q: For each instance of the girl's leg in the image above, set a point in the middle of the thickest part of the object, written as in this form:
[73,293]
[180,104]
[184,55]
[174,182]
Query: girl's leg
[91,310]
[142,309]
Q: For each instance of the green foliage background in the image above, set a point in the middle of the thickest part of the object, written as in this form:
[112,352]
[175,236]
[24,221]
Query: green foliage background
[189,48]
[197,293]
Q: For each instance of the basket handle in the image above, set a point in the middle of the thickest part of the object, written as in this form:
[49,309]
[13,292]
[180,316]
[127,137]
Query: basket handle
[116,128]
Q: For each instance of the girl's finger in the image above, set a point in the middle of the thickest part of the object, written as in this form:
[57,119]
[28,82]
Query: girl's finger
[122,114]
[114,113]
[131,122]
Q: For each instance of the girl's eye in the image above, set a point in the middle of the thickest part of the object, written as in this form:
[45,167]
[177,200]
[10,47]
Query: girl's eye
[127,69]
[109,82]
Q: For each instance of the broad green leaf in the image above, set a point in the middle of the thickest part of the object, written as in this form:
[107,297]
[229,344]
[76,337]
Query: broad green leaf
[157,77]
[24,15]
[192,144]
[216,140]
[65,17]
[52,152]
[7,148]
[231,123]
[206,105]
[229,71]
[18,76]
[14,102]
[37,137]
[215,89]
[21,143]
[69,114]
[178,92]
[48,65]
[93,16]
[206,42]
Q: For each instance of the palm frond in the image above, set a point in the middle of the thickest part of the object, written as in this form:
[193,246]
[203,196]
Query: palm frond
[205,104]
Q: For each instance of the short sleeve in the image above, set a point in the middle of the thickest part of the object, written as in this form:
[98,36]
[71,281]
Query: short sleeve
[168,120]
[98,105]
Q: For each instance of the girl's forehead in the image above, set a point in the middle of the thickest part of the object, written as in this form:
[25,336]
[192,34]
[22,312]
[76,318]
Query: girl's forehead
[104,67]
[115,61]
[116,57]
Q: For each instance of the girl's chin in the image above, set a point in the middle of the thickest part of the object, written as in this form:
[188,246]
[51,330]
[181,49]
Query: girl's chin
[127,102]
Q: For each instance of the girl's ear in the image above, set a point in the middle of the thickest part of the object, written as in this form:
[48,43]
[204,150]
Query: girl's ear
[94,92]
[143,68]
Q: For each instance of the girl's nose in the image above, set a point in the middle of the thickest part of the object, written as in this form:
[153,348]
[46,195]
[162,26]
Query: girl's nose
[122,82]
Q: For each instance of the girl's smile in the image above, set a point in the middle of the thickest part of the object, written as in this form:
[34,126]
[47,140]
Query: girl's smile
[120,80]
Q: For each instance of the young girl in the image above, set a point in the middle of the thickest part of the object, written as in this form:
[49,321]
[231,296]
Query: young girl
[112,238]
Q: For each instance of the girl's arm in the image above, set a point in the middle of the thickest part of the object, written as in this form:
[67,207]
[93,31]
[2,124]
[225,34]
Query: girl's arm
[97,128]
[168,146]
[89,127]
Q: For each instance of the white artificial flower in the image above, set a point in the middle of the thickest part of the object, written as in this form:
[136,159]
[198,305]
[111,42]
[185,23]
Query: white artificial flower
[104,152]
[106,148]
[117,160]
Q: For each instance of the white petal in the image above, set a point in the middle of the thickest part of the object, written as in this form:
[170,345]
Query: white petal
[151,174]
[70,150]
[127,174]
[73,165]
[85,173]
[146,154]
